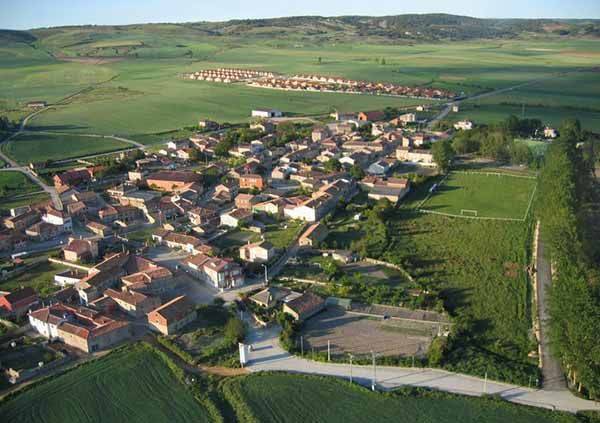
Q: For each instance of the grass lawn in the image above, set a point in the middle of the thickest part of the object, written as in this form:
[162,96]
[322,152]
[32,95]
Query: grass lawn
[40,278]
[281,235]
[280,397]
[234,238]
[15,184]
[491,196]
[130,385]
[31,147]
[478,269]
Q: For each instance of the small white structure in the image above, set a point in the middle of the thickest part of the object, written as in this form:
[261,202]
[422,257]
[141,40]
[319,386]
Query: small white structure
[550,132]
[267,113]
[463,125]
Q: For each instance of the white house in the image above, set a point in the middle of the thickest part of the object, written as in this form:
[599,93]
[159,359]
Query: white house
[233,218]
[259,252]
[58,218]
[422,157]
[463,125]
[220,273]
[266,113]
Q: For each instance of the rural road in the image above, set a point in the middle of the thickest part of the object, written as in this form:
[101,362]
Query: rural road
[552,375]
[267,355]
[448,106]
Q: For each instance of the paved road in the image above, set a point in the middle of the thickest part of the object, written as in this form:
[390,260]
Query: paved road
[552,375]
[268,355]
[448,106]
[34,178]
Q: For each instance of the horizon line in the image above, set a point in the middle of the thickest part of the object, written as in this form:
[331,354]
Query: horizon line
[297,16]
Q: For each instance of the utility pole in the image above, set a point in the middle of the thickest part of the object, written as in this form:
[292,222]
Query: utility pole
[266,275]
[374,372]
[302,346]
[328,351]
[350,367]
[485,384]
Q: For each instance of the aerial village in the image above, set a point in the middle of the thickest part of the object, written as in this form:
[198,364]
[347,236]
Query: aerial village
[202,218]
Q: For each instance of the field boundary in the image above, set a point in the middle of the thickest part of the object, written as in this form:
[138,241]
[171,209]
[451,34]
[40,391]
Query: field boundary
[462,216]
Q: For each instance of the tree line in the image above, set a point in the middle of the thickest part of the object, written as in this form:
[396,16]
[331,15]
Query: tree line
[497,141]
[566,193]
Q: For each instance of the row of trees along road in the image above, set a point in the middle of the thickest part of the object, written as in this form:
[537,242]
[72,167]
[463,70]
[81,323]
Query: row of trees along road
[566,208]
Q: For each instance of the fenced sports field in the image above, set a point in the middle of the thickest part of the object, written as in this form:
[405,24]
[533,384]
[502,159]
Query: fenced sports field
[482,195]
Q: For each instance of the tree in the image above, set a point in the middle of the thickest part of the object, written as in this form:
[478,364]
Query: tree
[4,123]
[390,112]
[383,61]
[234,330]
[442,155]
[333,165]
[357,172]
[223,147]
[320,60]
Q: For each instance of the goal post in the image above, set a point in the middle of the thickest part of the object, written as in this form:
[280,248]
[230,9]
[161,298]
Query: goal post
[466,212]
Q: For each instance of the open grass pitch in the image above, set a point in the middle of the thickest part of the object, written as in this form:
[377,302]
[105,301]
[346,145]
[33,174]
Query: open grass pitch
[482,195]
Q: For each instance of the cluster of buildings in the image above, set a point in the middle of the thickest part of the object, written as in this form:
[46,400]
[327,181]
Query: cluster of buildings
[309,82]
[99,308]
[334,84]
[228,75]
[189,204]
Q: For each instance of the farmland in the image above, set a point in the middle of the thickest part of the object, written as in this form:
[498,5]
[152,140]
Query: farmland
[292,398]
[31,147]
[73,397]
[143,93]
[484,195]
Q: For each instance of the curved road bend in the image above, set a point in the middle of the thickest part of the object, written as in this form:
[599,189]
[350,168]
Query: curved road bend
[267,355]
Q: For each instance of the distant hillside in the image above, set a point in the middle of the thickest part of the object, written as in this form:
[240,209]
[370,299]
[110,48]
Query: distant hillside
[10,36]
[415,27]
[140,39]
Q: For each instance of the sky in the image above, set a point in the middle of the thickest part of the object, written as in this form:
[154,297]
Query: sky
[27,14]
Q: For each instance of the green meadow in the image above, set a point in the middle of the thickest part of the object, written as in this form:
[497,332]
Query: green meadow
[31,147]
[280,397]
[131,385]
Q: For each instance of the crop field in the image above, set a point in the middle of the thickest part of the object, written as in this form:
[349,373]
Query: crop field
[143,92]
[482,195]
[31,147]
[74,397]
[293,398]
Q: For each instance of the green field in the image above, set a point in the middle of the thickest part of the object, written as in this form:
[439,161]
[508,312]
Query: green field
[144,93]
[131,385]
[15,184]
[489,195]
[30,147]
[279,397]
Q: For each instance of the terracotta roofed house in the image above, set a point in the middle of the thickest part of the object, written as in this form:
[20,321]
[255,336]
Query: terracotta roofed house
[172,316]
[304,307]
[17,303]
[172,180]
